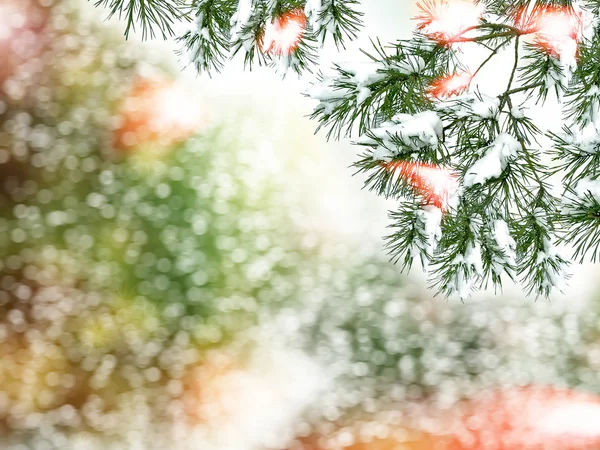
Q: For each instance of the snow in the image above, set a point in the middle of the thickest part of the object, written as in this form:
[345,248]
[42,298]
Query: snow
[592,114]
[429,218]
[283,63]
[586,140]
[507,245]
[486,108]
[494,161]
[382,153]
[327,94]
[324,91]
[555,275]
[588,186]
[416,131]
[240,21]
[313,10]
[517,113]
[472,257]
[409,65]
[469,271]
[195,53]
[363,94]
[318,20]
[364,74]
[470,264]
[477,106]
[588,21]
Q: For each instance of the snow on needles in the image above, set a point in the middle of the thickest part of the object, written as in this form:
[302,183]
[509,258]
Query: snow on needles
[506,245]
[330,93]
[469,264]
[327,93]
[504,148]
[364,75]
[588,186]
[240,21]
[429,221]
[316,13]
[416,131]
[477,106]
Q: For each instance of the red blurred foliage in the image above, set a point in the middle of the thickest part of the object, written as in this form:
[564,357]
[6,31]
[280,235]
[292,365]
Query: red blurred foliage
[282,36]
[447,20]
[157,111]
[524,418]
[532,418]
[22,23]
[557,29]
[449,85]
[435,184]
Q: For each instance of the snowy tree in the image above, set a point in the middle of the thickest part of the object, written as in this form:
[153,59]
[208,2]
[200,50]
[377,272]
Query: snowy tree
[485,191]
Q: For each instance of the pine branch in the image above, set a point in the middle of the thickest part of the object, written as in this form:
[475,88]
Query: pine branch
[151,16]
[465,165]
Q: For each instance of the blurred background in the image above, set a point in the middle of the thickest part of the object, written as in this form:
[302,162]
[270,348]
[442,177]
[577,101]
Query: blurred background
[185,265]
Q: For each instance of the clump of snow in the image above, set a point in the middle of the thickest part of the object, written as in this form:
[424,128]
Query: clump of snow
[240,24]
[195,52]
[486,108]
[328,95]
[382,153]
[313,11]
[364,74]
[588,21]
[554,272]
[588,186]
[416,131]
[469,264]
[504,148]
[517,113]
[500,234]
[477,106]
[320,16]
[285,62]
[469,271]
[591,115]
[586,140]
[429,220]
[409,65]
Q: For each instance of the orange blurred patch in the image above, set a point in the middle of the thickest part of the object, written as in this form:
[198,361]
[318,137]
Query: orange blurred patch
[282,36]
[21,25]
[531,418]
[435,184]
[447,20]
[350,439]
[211,389]
[449,85]
[557,29]
[160,113]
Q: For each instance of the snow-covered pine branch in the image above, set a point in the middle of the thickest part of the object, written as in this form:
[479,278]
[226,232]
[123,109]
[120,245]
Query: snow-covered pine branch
[485,190]
[279,33]
[500,217]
